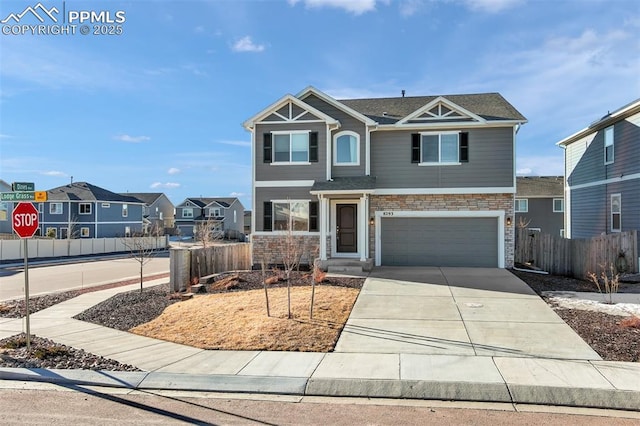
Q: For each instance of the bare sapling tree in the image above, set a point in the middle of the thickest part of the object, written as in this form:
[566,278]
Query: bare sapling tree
[523,223]
[141,249]
[291,253]
[207,232]
[263,266]
[608,280]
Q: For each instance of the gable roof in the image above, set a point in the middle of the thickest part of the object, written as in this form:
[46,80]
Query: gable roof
[83,191]
[611,117]
[146,197]
[331,101]
[540,186]
[203,202]
[286,99]
[489,106]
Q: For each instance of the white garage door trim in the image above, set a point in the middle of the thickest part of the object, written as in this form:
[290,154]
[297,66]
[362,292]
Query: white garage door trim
[498,214]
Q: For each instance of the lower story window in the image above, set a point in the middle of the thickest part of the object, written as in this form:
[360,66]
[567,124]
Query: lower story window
[84,232]
[291,215]
[616,213]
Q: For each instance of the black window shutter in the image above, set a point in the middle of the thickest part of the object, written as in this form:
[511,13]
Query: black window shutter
[313,147]
[268,223]
[267,147]
[464,147]
[415,148]
[313,216]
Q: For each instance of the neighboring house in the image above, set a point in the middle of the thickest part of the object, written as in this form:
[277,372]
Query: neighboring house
[426,180]
[247,222]
[6,208]
[602,169]
[225,215]
[158,211]
[82,210]
[539,204]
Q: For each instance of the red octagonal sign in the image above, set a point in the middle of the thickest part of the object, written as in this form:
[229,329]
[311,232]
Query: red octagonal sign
[24,220]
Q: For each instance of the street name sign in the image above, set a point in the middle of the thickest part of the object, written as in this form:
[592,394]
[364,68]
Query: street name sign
[39,196]
[23,186]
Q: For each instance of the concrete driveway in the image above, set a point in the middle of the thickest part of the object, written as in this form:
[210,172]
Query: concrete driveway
[456,311]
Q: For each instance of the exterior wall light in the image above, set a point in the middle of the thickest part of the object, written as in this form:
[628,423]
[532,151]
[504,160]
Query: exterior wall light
[508,220]
[371,221]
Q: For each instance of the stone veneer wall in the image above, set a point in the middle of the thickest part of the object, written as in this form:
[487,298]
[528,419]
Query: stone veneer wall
[270,248]
[448,202]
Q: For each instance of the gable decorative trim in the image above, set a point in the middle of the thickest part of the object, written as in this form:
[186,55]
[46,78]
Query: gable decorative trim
[289,109]
[438,110]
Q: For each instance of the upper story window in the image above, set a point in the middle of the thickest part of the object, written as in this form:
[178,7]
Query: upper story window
[346,149]
[85,208]
[215,212]
[608,145]
[295,147]
[442,148]
[558,205]
[55,208]
[616,212]
[187,212]
[125,210]
[522,205]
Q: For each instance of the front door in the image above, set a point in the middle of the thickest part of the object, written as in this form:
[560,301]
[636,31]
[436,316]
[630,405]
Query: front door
[346,228]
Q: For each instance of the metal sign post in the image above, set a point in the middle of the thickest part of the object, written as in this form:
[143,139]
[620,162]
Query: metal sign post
[26,292]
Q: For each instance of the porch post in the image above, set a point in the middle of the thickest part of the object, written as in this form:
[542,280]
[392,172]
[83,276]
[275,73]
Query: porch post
[362,225]
[324,215]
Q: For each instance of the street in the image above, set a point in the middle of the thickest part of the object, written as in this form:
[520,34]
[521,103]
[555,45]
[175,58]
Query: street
[76,405]
[70,276]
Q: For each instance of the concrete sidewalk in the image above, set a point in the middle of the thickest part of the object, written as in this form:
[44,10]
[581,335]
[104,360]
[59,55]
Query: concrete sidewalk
[481,353]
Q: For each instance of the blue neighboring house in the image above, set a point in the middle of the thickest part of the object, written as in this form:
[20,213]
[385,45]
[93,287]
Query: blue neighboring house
[83,210]
[602,169]
[6,208]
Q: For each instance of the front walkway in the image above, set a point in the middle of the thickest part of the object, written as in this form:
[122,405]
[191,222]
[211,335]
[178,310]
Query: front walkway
[415,358]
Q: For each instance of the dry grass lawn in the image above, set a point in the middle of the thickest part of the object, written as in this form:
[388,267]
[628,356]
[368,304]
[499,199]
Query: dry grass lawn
[238,320]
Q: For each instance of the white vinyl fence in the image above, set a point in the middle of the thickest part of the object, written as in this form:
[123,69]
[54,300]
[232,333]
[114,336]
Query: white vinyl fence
[45,248]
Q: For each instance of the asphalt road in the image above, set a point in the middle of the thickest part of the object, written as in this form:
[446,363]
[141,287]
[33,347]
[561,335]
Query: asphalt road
[80,406]
[69,276]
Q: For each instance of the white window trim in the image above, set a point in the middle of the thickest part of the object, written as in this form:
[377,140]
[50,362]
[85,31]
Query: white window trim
[82,232]
[56,212]
[554,205]
[286,231]
[612,145]
[125,210]
[106,205]
[186,210]
[515,209]
[84,204]
[335,148]
[290,133]
[619,196]
[440,163]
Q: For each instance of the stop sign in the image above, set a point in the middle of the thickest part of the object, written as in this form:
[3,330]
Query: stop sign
[24,220]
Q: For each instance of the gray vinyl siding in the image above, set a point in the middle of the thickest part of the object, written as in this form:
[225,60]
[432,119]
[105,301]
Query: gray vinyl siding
[591,208]
[626,146]
[267,171]
[347,122]
[490,162]
[541,215]
[229,224]
[268,194]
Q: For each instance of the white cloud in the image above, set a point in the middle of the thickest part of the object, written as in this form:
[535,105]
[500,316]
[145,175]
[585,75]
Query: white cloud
[492,6]
[237,194]
[54,173]
[236,143]
[410,7]
[3,136]
[132,139]
[167,185]
[173,171]
[541,165]
[357,7]
[245,44]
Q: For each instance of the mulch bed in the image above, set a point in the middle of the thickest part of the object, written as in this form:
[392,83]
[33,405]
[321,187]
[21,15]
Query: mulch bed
[606,334]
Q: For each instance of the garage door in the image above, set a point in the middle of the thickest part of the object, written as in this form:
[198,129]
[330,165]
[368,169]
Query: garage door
[439,242]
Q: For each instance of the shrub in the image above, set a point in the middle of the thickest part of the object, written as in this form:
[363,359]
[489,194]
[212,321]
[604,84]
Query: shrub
[609,280]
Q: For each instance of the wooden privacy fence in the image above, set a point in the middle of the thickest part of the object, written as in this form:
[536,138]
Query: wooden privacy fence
[187,265]
[576,257]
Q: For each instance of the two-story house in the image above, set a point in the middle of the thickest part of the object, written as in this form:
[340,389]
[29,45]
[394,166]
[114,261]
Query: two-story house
[6,208]
[539,204]
[158,211]
[225,216]
[602,169]
[424,180]
[83,210]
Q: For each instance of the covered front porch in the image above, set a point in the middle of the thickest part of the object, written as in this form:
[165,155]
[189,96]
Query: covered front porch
[344,224]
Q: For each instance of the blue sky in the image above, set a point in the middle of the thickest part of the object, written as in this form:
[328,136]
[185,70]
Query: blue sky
[159,108]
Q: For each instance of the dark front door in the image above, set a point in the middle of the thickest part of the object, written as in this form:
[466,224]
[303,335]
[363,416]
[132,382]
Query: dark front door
[346,229]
